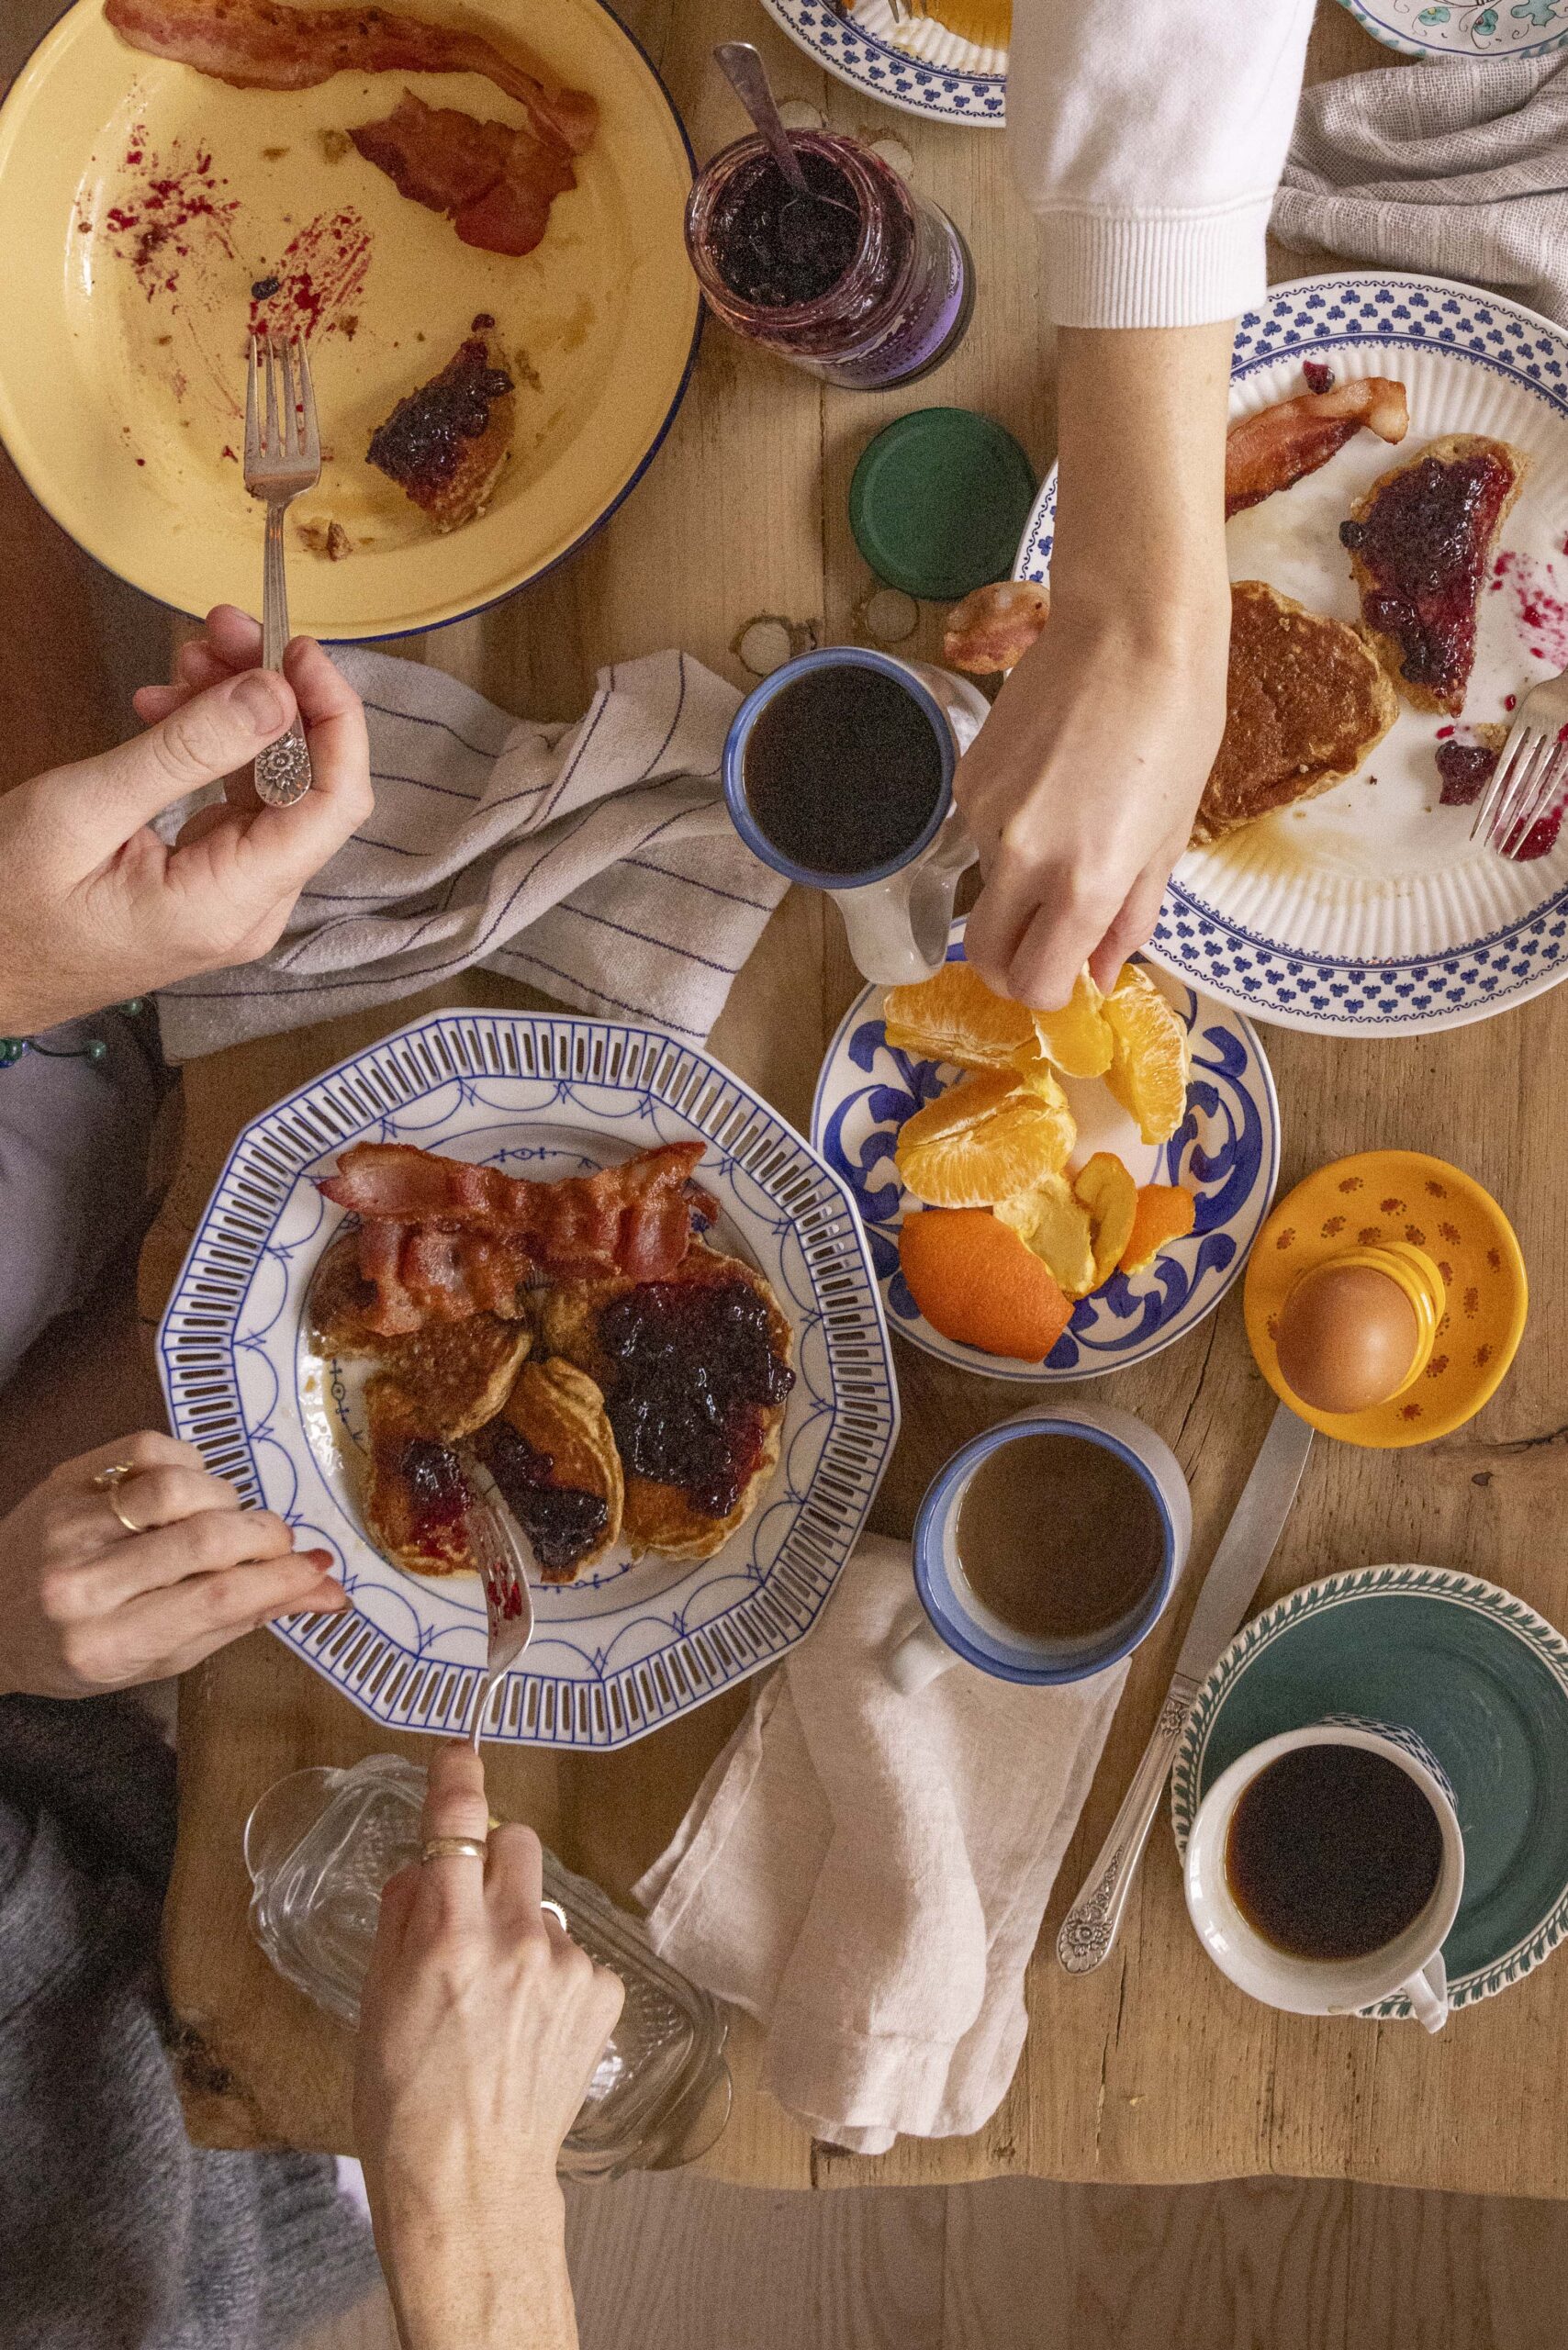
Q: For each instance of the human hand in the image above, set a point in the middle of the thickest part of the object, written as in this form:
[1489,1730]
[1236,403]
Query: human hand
[99,909]
[87,1605]
[480,2028]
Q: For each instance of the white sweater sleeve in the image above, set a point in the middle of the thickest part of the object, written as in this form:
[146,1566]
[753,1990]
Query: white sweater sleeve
[1150,135]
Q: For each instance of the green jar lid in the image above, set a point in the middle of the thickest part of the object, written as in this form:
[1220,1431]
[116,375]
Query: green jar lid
[939,501]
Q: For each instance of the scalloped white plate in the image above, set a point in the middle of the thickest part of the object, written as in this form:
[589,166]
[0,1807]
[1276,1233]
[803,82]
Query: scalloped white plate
[1369,908]
[632,1645]
[919,67]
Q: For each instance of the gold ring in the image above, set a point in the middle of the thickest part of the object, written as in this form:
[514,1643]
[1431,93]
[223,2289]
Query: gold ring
[452,1848]
[107,1482]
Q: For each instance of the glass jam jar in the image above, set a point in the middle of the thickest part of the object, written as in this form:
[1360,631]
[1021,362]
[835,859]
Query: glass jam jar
[320,1844]
[863,281]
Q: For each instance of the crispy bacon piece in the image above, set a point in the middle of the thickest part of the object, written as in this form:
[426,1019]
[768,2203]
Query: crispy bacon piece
[441,1239]
[994,627]
[496,183]
[266,45]
[1283,442]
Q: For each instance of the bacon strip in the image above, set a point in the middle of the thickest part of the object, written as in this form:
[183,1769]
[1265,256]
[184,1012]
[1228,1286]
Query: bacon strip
[496,183]
[994,627]
[266,45]
[1283,442]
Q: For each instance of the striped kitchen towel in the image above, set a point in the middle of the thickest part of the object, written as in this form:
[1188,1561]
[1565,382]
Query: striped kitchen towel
[596,861]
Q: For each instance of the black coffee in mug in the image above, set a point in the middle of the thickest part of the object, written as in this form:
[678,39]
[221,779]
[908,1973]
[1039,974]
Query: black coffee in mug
[1332,1851]
[843,770]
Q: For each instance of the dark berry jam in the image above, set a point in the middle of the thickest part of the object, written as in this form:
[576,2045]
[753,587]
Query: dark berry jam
[693,1370]
[1541,837]
[1319,377]
[422,440]
[1466,769]
[562,1522]
[1424,544]
[775,246]
[436,1485]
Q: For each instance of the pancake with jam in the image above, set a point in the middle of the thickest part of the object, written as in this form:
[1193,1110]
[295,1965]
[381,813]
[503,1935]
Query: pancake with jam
[445,444]
[1420,543]
[552,1453]
[416,1498]
[1305,701]
[694,1372]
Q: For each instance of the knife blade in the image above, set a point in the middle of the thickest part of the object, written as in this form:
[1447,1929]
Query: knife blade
[1091,1926]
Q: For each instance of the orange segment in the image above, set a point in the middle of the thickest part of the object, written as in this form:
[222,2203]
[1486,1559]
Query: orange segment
[1079,1039]
[953,1016]
[1059,1234]
[1107,1191]
[976,1283]
[985,1140]
[1165,1213]
[1152,1060]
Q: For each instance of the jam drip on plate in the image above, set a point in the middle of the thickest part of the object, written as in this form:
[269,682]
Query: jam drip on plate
[562,1522]
[1466,769]
[1424,544]
[694,1371]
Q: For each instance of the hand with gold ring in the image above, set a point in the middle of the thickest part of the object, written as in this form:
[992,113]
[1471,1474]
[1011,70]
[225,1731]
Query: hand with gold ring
[133,1564]
[481,2024]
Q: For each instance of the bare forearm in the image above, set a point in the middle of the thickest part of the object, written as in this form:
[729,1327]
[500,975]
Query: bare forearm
[452,2293]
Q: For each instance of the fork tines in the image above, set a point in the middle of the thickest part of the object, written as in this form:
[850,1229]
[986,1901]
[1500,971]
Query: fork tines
[280,415]
[1530,776]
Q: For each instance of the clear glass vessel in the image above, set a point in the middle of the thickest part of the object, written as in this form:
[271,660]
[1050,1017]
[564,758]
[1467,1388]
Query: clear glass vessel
[319,1846]
[897,308]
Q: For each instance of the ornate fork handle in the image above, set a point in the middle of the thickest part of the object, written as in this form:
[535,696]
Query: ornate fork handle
[282,769]
[1094,1920]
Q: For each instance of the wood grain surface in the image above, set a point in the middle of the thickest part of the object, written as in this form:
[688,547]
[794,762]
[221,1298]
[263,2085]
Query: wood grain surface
[1154,2069]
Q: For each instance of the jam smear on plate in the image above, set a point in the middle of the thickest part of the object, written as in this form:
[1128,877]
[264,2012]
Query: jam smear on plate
[1466,769]
[693,1370]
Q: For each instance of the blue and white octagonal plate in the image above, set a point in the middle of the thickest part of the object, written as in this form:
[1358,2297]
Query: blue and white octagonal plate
[918,66]
[633,1645]
[1369,910]
[1227,1152]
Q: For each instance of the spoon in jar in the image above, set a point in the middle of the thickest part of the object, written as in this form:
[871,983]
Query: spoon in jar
[741,64]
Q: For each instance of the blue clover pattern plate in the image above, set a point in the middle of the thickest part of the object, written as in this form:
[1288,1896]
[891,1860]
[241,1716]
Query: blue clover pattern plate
[1369,910]
[1452,28]
[632,1645]
[1482,1681]
[921,68]
[1227,1152]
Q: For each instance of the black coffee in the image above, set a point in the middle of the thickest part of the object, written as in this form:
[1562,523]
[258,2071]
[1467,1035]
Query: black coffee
[1332,1851]
[843,770]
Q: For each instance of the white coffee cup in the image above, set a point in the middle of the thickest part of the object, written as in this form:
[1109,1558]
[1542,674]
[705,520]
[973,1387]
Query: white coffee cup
[1412,1963]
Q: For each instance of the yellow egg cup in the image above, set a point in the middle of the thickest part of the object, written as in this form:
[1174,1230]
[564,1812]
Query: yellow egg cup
[1452,1251]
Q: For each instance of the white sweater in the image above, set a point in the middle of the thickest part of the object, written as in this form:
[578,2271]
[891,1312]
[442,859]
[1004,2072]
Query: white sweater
[1150,135]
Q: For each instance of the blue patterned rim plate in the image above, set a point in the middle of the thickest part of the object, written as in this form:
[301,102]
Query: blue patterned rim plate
[921,68]
[1482,1682]
[631,1646]
[1450,28]
[1369,910]
[1227,1151]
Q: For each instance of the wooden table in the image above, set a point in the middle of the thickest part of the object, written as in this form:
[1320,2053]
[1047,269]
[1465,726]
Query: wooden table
[1155,2068]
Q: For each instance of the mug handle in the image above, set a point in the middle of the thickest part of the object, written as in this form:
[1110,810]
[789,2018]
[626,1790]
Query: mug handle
[1427,1993]
[915,1651]
[898,928]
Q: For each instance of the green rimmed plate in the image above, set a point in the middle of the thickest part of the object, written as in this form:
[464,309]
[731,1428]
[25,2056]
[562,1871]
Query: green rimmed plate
[1480,1676]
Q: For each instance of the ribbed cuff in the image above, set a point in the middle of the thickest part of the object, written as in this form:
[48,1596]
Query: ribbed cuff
[1185,270]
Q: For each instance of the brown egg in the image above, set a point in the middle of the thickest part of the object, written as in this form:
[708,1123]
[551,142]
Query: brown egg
[1348,1337]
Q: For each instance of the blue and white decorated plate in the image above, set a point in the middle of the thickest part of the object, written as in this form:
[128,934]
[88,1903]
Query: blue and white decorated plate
[919,66]
[1452,28]
[632,1645]
[1227,1152]
[1369,910]
[1479,1676]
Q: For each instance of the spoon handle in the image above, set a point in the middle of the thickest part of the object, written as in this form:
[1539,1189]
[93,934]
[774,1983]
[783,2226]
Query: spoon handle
[741,64]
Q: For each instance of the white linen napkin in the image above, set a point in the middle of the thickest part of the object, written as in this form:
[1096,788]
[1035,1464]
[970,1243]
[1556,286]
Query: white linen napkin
[1457,167]
[596,861]
[866,1873]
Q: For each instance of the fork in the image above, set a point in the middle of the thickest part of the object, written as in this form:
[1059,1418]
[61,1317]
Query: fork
[282,456]
[1531,773]
[503,1560]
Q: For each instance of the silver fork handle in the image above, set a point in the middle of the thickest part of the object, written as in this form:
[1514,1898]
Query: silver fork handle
[1094,1919]
[282,769]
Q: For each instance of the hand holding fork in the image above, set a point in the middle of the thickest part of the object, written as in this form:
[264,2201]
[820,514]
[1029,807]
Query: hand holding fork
[282,456]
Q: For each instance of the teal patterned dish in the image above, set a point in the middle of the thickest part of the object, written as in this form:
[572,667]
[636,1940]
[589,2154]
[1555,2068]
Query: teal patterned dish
[1480,1677]
[1463,28]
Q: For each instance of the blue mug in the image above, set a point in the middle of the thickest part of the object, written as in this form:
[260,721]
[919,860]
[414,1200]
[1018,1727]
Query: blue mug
[897,914]
[947,1621]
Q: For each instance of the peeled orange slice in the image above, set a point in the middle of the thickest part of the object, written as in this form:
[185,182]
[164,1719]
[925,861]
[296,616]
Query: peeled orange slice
[1059,1234]
[953,1016]
[976,1283]
[1152,1060]
[984,1140]
[1079,1039]
[1107,1192]
[1165,1213]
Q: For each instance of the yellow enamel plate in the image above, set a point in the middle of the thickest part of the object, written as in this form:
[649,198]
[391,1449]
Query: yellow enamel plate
[139,203]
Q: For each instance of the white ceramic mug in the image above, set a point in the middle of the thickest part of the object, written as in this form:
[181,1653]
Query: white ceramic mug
[1412,1963]
[898,915]
[945,1621]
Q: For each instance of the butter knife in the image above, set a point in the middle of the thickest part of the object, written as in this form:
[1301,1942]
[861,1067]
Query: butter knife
[1091,1926]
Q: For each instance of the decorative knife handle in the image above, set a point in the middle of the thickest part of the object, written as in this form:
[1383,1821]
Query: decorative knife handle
[1094,1919]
